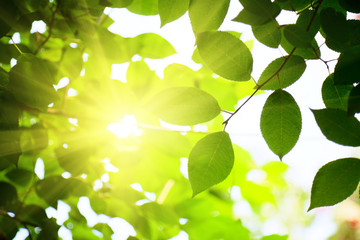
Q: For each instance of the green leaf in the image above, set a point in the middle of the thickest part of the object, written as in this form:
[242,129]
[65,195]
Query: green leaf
[275,237]
[9,197]
[338,127]
[33,214]
[8,227]
[31,82]
[297,36]
[354,100]
[185,106]
[350,5]
[335,96]
[293,5]
[280,122]
[73,159]
[282,74]
[225,55]
[347,69]
[307,18]
[20,176]
[170,10]
[144,7]
[335,182]
[210,161]
[207,15]
[119,3]
[268,34]
[151,45]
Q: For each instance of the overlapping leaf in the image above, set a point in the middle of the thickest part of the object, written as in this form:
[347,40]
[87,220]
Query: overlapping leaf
[226,55]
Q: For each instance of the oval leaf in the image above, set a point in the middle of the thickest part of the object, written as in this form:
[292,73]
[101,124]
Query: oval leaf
[151,45]
[280,122]
[170,10]
[225,55]
[210,161]
[354,100]
[207,15]
[297,36]
[268,34]
[335,96]
[282,75]
[144,7]
[347,69]
[185,106]
[335,182]
[338,127]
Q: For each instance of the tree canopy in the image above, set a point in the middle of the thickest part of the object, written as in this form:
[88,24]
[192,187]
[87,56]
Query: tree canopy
[154,150]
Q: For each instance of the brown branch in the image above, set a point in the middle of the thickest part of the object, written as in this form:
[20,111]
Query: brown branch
[25,223]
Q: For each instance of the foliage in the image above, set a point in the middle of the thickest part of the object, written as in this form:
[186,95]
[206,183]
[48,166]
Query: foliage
[58,103]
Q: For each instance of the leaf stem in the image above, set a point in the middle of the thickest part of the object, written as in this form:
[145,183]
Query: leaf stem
[17,48]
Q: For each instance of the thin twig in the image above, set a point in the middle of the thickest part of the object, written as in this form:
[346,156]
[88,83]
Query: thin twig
[17,48]
[50,28]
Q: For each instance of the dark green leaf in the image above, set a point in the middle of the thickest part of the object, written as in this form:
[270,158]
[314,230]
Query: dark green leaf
[20,176]
[347,69]
[185,106]
[282,74]
[9,197]
[338,127]
[350,5]
[335,182]
[33,214]
[293,5]
[354,100]
[144,7]
[49,230]
[297,36]
[226,55]
[335,96]
[120,3]
[31,82]
[8,228]
[307,18]
[258,12]
[210,161]
[268,34]
[207,15]
[280,122]
[170,10]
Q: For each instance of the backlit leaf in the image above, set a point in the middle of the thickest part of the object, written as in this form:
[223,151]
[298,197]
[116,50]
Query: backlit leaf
[31,82]
[338,127]
[297,36]
[268,34]
[280,122]
[335,182]
[185,106]
[170,10]
[210,161]
[293,5]
[282,74]
[225,55]
[335,96]
[151,45]
[9,197]
[144,7]
[207,15]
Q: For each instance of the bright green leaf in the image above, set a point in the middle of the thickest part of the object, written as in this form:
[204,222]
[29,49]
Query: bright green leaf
[338,127]
[185,106]
[335,96]
[335,182]
[151,45]
[226,55]
[280,122]
[144,7]
[170,10]
[207,15]
[268,34]
[282,74]
[210,161]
